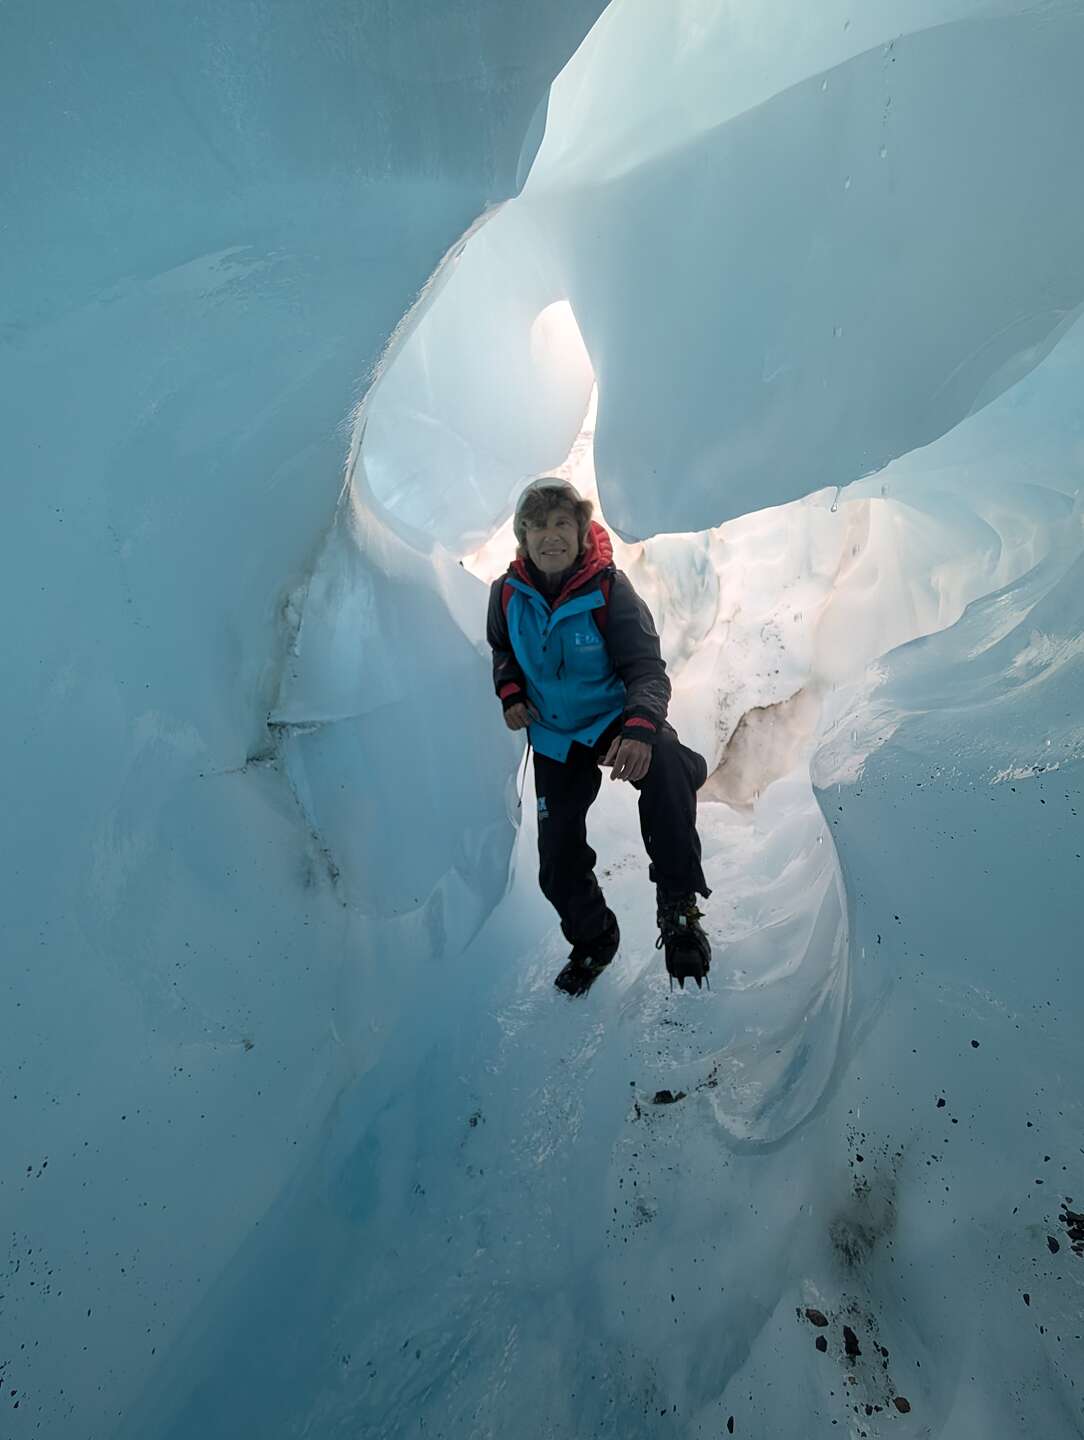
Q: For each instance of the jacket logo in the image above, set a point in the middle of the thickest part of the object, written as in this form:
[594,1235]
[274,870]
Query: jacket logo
[582,638]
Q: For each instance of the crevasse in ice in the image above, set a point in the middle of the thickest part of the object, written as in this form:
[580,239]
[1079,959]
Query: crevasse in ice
[299,1139]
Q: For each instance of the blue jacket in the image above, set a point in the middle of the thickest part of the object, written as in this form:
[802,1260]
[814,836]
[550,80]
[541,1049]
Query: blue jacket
[583,659]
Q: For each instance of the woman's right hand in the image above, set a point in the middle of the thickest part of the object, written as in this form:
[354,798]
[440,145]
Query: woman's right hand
[518,717]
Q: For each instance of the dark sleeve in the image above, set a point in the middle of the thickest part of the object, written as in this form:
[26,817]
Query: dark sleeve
[633,643]
[507,676]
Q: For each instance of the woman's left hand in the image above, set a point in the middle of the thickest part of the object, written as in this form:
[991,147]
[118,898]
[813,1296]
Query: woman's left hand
[630,760]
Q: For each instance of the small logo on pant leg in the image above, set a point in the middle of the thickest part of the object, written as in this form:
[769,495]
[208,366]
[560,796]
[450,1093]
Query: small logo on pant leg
[543,812]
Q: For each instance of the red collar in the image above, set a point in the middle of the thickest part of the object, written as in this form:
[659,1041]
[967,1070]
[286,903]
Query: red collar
[598,552]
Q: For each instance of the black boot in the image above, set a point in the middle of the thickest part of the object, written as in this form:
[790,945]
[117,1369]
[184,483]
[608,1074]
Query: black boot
[688,950]
[589,959]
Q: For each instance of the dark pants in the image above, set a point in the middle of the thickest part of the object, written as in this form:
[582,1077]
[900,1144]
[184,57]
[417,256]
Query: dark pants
[567,789]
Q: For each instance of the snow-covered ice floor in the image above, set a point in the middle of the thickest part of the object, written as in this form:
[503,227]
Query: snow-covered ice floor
[553,1201]
[530,1240]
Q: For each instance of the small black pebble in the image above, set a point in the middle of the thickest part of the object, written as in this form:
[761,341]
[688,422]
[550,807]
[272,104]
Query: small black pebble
[821,1343]
[974,1044]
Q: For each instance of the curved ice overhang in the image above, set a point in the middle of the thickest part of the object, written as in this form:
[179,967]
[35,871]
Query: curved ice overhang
[839,275]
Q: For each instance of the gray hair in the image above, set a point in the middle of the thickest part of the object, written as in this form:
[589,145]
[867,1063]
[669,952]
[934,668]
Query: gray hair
[542,496]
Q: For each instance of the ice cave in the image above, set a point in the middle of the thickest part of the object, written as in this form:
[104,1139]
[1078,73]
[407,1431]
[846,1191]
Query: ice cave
[299,1140]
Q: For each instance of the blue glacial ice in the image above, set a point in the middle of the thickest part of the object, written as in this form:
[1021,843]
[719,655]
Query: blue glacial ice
[299,1140]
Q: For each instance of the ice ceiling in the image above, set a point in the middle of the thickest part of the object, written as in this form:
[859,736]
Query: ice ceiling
[299,1139]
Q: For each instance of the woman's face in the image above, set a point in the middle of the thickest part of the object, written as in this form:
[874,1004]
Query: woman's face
[555,544]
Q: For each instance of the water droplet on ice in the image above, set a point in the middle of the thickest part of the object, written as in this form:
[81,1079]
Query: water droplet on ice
[824,84]
[837,331]
[847,183]
[884,152]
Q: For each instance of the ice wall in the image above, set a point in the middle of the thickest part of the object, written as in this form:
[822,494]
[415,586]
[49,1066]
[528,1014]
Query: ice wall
[309,1170]
[214,217]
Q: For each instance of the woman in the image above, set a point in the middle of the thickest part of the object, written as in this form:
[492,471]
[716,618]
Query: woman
[576,663]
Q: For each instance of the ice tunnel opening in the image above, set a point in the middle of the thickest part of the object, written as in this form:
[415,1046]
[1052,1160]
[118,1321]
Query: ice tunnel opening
[763,617]
[760,525]
[781,562]
[769,622]
[769,617]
